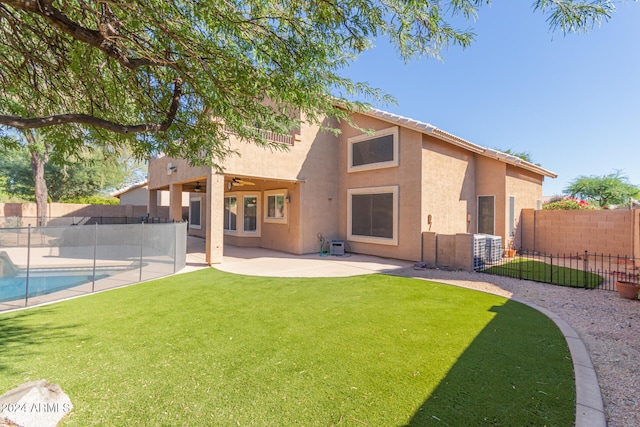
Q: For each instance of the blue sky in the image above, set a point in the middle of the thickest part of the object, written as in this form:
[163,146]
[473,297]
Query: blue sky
[572,102]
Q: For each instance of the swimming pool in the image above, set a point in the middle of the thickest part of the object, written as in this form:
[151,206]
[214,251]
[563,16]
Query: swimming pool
[46,281]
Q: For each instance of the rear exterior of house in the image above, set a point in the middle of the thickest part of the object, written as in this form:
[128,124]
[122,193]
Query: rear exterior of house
[376,191]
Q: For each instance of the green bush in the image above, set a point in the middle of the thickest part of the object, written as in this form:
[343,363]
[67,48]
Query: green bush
[568,204]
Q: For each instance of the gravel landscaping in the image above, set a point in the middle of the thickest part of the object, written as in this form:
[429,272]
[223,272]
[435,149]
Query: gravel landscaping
[608,325]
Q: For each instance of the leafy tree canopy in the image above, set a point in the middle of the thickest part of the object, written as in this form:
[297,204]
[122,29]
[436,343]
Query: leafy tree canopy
[92,174]
[174,76]
[605,190]
[524,155]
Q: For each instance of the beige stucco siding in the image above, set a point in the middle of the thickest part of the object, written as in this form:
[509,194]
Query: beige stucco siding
[448,192]
[406,176]
[526,187]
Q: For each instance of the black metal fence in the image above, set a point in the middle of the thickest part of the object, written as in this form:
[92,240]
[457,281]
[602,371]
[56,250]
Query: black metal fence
[25,221]
[583,270]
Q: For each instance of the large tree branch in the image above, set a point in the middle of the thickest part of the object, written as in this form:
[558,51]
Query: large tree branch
[93,38]
[87,119]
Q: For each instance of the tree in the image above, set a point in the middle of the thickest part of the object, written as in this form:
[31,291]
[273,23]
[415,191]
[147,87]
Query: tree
[175,76]
[93,174]
[524,155]
[605,190]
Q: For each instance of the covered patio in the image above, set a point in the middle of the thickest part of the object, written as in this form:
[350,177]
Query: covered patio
[266,262]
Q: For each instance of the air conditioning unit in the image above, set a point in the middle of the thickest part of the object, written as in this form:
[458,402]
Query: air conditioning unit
[336,247]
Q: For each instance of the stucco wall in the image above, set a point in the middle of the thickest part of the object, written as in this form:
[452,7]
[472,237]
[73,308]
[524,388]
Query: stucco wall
[407,176]
[527,189]
[448,192]
[615,232]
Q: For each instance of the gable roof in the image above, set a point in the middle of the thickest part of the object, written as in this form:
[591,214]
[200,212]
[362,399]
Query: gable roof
[120,192]
[429,129]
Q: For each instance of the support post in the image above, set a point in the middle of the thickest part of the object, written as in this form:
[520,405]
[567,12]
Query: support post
[214,213]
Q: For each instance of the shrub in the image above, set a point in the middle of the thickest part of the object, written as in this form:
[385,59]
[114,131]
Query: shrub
[568,204]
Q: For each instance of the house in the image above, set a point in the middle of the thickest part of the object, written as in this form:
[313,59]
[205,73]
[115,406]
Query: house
[377,191]
[138,195]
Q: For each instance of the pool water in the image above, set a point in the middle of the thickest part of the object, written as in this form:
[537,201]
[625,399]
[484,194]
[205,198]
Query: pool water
[42,282]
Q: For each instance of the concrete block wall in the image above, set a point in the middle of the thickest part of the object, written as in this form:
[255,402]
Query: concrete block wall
[59,210]
[448,250]
[615,232]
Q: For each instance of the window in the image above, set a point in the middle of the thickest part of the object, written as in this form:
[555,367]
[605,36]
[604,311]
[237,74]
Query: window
[512,216]
[241,214]
[486,215]
[373,215]
[230,213]
[250,213]
[194,213]
[376,151]
[275,207]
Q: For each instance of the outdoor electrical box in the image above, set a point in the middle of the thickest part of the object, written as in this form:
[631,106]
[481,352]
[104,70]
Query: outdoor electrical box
[336,247]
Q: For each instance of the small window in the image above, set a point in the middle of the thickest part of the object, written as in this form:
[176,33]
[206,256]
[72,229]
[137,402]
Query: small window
[373,215]
[194,213]
[230,213]
[376,151]
[486,215]
[275,207]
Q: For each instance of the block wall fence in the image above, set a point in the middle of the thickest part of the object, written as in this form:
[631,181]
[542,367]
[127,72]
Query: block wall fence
[60,210]
[611,232]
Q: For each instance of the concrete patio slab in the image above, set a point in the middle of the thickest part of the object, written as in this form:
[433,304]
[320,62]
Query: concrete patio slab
[265,262]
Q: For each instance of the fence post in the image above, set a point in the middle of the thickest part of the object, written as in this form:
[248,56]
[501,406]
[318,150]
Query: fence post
[26,295]
[95,248]
[175,249]
[551,269]
[141,248]
[585,276]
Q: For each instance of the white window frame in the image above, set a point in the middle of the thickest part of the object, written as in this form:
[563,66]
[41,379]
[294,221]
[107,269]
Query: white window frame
[394,189]
[230,196]
[191,201]
[378,165]
[285,210]
[512,216]
[240,231]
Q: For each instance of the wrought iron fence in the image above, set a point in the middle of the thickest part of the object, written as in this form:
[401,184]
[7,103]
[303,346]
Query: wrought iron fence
[583,270]
[44,264]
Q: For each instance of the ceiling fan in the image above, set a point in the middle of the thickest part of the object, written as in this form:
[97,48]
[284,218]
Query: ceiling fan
[198,188]
[237,182]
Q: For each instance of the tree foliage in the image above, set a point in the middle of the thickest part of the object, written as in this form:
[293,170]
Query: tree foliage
[568,204]
[175,76]
[605,190]
[78,181]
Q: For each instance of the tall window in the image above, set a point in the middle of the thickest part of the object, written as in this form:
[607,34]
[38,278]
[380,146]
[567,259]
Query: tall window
[486,214]
[194,213]
[512,216]
[373,215]
[379,150]
[230,213]
[250,213]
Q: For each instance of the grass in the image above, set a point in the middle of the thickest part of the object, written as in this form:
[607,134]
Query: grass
[212,348]
[542,272]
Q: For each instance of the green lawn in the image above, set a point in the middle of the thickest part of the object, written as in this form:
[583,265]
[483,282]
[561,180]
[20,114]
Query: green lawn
[527,269]
[212,348]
